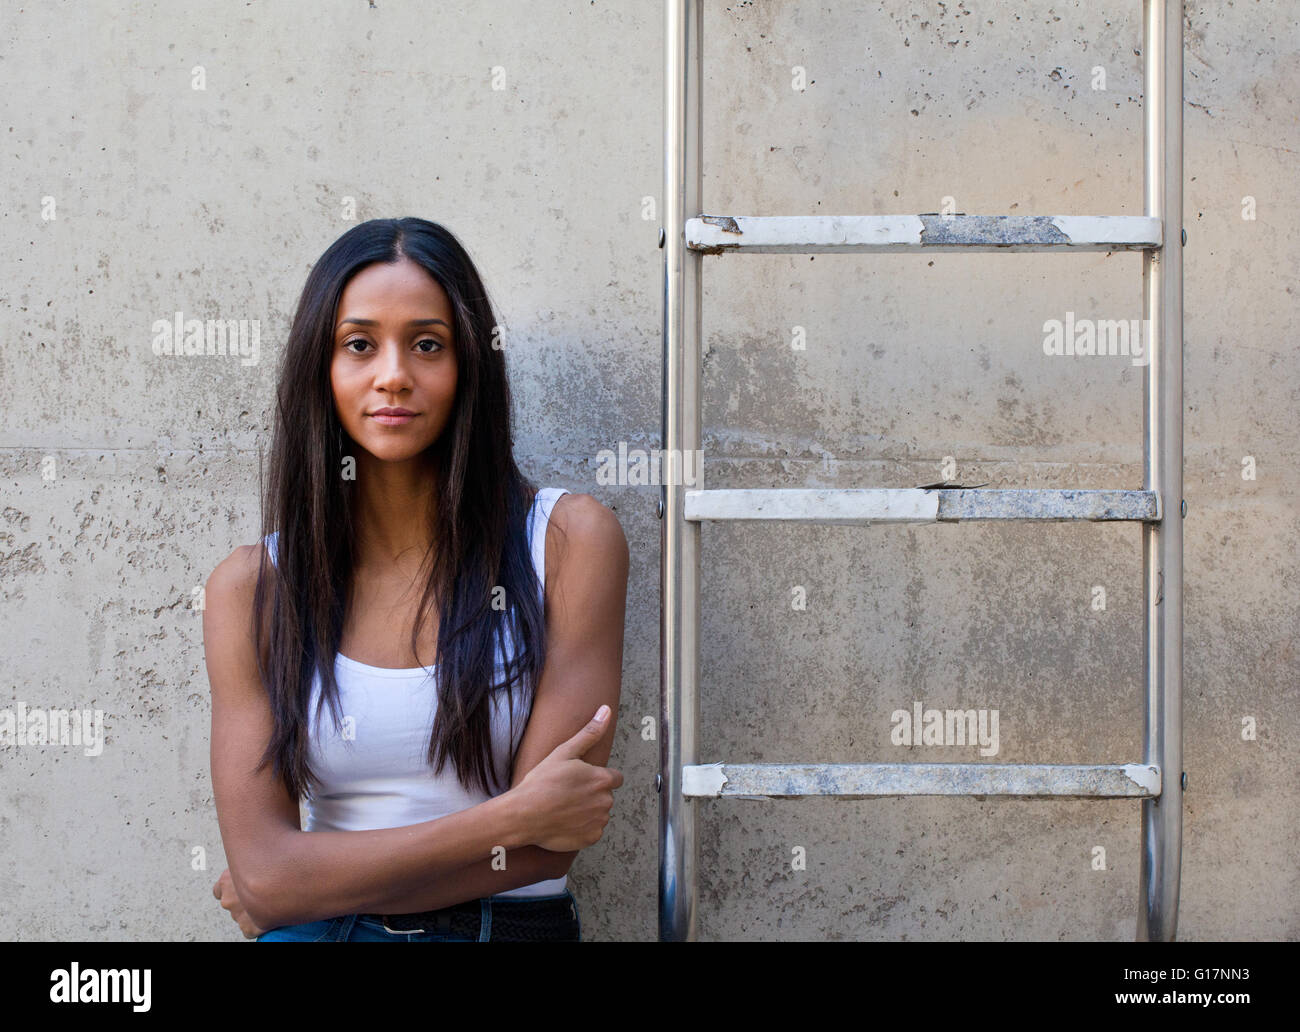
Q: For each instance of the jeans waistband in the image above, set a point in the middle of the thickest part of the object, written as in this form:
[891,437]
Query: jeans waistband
[508,916]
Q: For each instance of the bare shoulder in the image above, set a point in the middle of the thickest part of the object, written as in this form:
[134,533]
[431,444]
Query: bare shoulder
[228,606]
[235,575]
[588,528]
[586,585]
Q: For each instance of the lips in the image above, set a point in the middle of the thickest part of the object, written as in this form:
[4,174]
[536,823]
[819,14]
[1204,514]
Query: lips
[392,416]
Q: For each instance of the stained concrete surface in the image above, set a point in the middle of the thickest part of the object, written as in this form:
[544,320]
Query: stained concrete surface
[127,476]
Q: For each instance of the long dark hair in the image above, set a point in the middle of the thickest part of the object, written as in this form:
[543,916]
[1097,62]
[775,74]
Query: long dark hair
[478,518]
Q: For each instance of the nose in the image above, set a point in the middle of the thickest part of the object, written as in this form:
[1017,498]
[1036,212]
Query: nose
[391,373]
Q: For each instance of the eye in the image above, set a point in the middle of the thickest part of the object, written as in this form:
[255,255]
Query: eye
[430,340]
[355,340]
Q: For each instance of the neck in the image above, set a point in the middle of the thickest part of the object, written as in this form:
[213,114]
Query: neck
[395,506]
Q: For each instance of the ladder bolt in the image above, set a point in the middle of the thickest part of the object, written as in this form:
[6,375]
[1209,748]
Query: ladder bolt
[659,781]
[662,237]
[1184,238]
[1184,508]
[659,508]
[1184,781]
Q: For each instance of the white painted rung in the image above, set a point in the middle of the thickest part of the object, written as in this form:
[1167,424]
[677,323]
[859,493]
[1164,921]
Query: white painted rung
[871,780]
[819,234]
[862,506]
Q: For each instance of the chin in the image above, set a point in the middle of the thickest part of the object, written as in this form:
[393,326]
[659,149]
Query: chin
[393,451]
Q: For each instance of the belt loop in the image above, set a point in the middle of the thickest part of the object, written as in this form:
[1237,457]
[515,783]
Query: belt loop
[344,931]
[485,919]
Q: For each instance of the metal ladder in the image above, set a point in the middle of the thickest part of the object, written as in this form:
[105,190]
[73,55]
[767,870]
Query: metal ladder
[1158,780]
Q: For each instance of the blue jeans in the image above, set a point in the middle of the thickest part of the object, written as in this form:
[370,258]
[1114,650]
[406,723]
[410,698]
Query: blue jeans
[363,928]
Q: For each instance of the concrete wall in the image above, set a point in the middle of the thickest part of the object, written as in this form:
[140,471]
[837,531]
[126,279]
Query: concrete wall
[127,476]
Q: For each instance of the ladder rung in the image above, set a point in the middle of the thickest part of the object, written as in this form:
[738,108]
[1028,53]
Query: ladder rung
[861,506]
[868,780]
[819,234]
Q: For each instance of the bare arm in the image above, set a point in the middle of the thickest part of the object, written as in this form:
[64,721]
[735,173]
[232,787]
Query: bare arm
[586,601]
[285,875]
[586,597]
[525,866]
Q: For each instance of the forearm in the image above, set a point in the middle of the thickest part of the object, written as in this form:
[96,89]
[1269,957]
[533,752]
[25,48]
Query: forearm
[524,866]
[313,875]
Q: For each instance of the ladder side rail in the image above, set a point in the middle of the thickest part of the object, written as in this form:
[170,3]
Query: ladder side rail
[679,580]
[1162,543]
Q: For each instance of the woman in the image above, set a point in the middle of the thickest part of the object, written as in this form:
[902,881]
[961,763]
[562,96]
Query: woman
[457,768]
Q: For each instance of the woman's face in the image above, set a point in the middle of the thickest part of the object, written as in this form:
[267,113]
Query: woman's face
[394,349]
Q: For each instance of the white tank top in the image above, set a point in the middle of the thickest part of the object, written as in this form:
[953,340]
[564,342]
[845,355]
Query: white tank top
[375,774]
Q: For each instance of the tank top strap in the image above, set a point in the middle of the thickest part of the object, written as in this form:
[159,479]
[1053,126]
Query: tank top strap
[540,518]
[269,541]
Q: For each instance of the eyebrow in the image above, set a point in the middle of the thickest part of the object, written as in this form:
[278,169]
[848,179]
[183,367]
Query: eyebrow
[413,322]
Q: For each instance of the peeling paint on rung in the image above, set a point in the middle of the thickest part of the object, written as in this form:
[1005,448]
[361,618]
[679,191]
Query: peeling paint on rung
[1047,504]
[1145,776]
[806,234]
[724,222]
[997,230]
[703,780]
[864,506]
[1038,232]
[873,780]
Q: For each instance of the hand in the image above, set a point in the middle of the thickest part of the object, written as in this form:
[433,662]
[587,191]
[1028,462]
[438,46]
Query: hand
[224,890]
[566,801]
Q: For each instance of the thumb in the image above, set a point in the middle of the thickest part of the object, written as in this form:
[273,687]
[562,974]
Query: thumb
[590,734]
